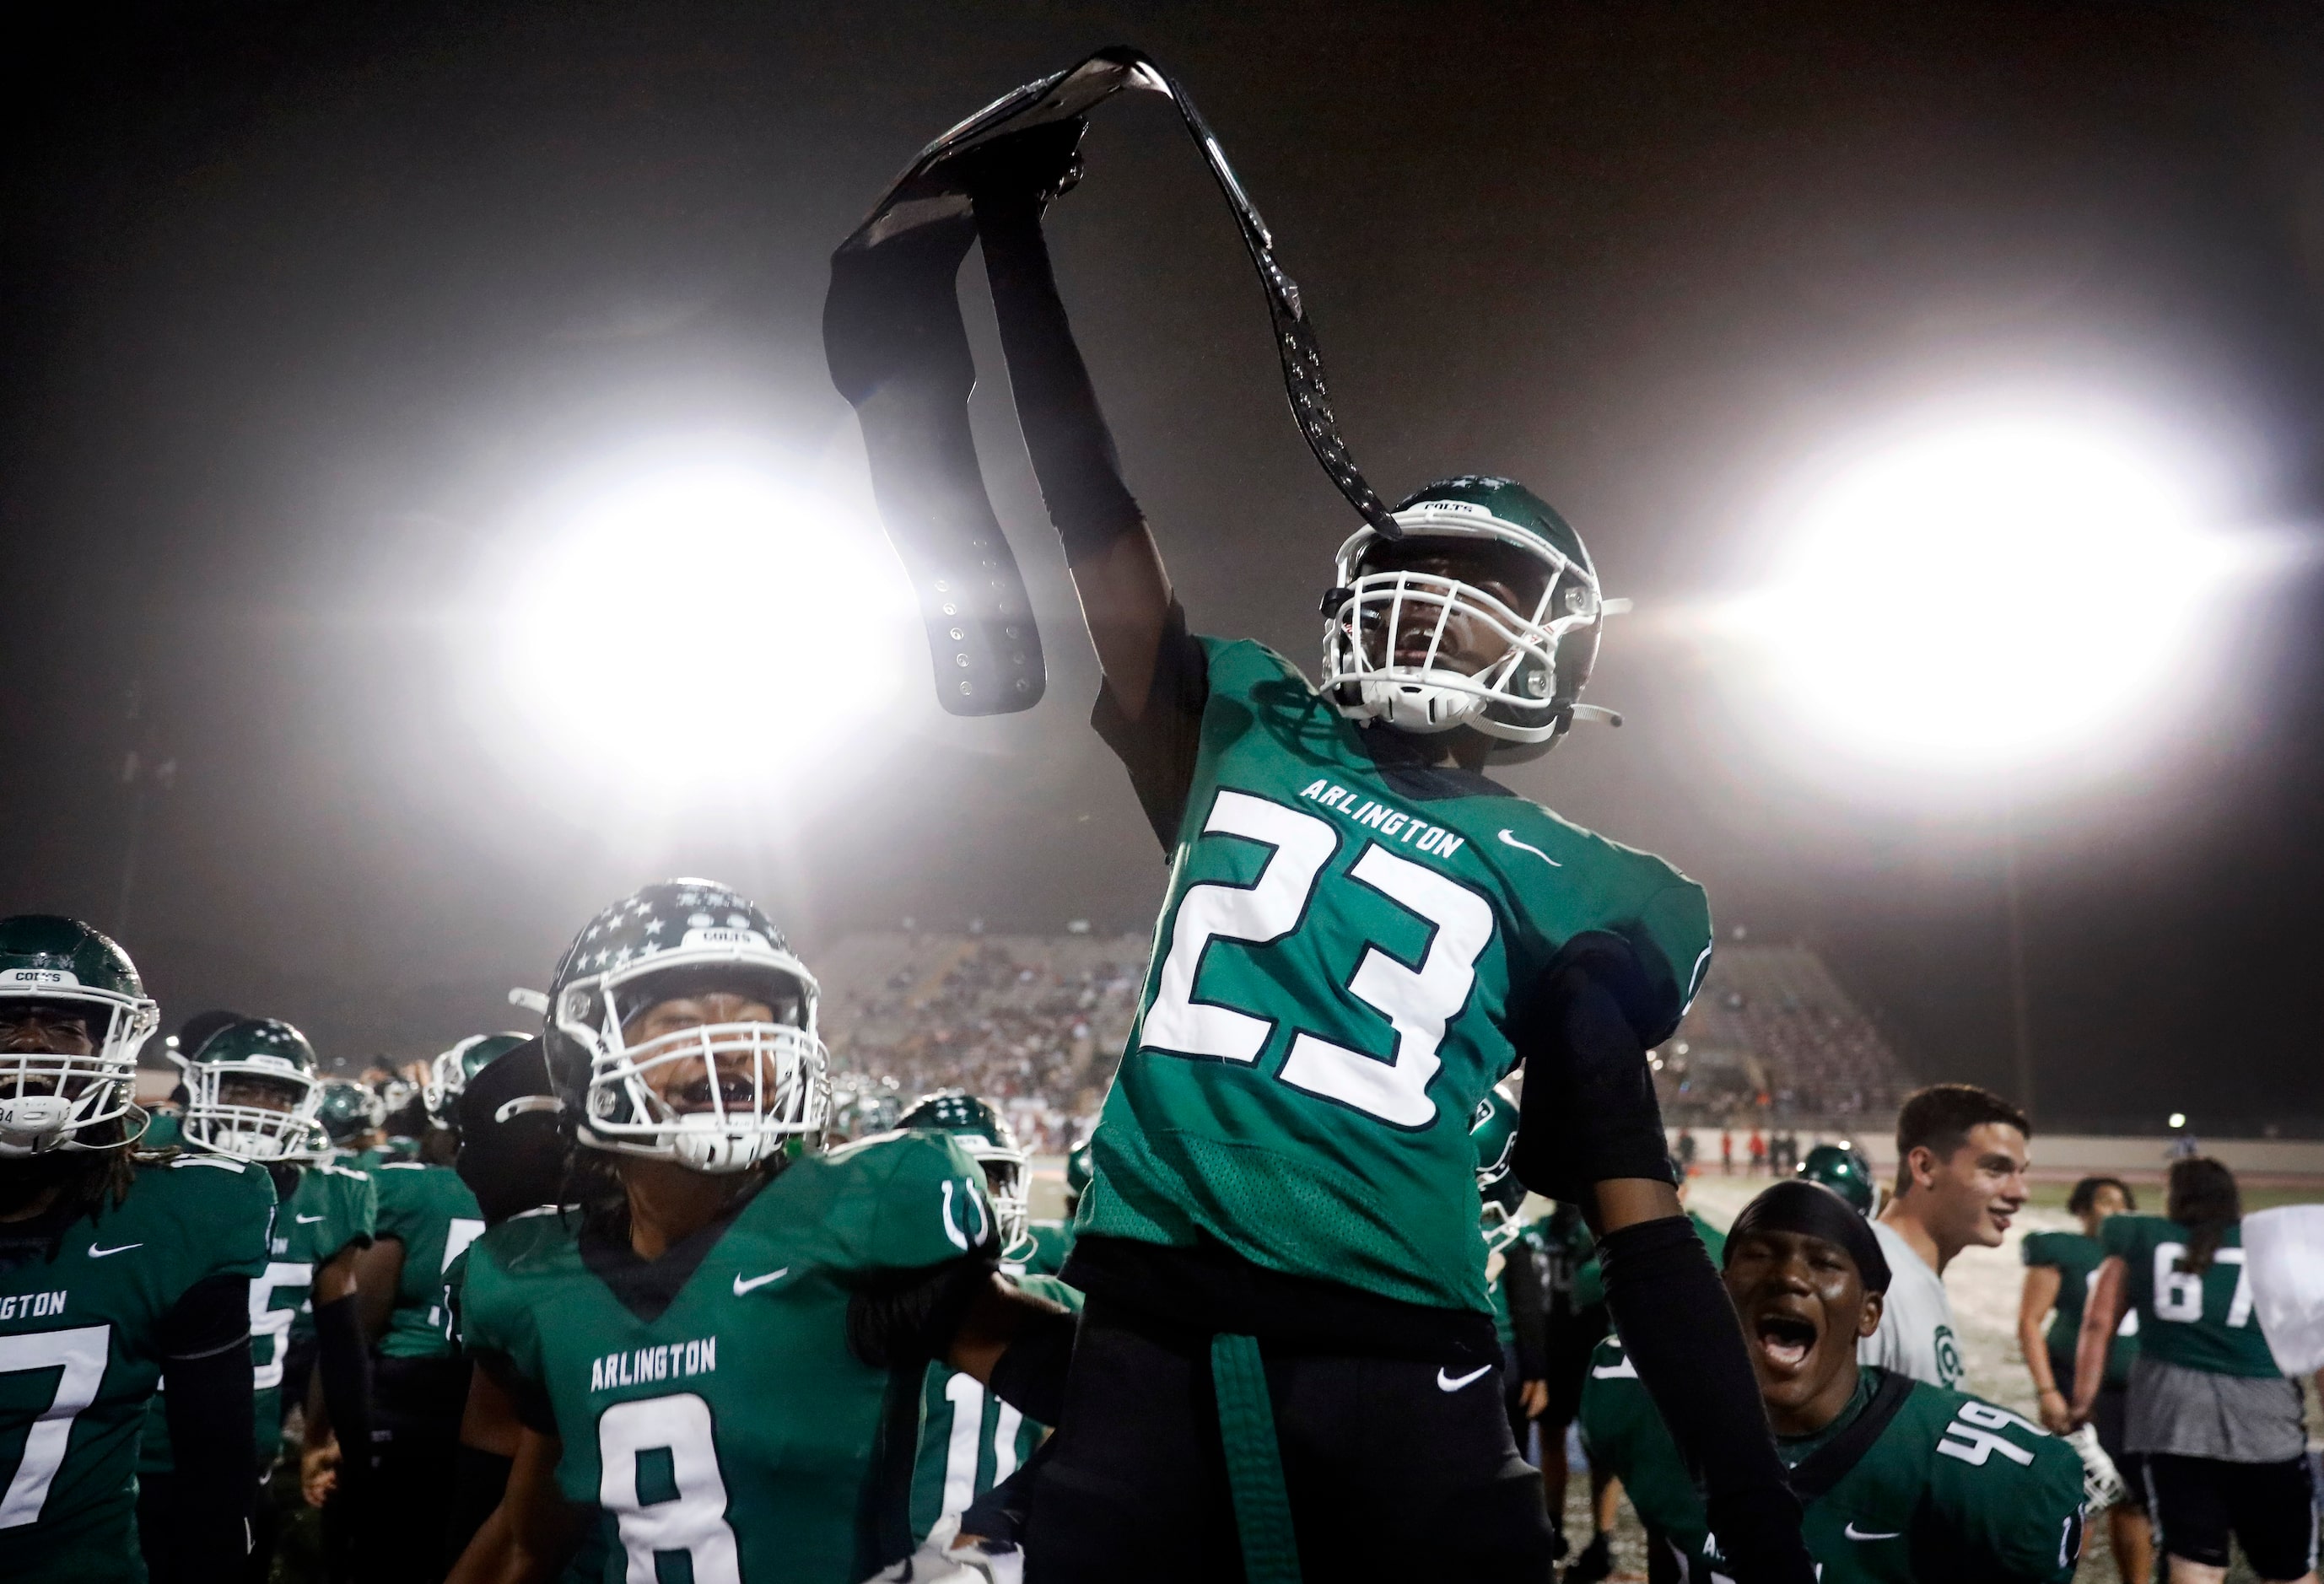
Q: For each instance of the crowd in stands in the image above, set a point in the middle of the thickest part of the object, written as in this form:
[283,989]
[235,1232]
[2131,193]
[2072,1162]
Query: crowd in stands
[1772,1033]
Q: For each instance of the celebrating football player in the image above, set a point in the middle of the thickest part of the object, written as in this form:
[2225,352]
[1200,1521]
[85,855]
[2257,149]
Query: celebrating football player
[117,1271]
[725,1347]
[1363,933]
[252,1093]
[1903,1480]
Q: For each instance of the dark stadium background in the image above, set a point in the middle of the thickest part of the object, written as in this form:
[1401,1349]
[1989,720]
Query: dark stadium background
[297,299]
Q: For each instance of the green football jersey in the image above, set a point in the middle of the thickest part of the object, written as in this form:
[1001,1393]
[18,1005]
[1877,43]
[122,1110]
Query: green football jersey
[714,1408]
[1953,1488]
[80,1356]
[2196,1322]
[2076,1258]
[163,1130]
[970,1440]
[1341,956]
[432,1210]
[331,1207]
[1052,1241]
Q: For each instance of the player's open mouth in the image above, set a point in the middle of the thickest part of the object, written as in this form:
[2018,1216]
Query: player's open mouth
[1785,1340]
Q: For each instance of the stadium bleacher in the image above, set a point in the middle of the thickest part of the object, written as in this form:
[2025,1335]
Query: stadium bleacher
[1770,1021]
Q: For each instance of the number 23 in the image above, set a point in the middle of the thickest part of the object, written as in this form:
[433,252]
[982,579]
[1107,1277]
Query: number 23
[1417,1002]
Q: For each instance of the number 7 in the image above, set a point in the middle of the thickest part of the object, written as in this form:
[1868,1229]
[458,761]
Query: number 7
[82,1353]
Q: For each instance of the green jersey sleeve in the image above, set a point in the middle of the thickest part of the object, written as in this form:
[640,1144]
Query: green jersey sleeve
[2004,1497]
[430,1212]
[908,1201]
[226,1216]
[1627,1436]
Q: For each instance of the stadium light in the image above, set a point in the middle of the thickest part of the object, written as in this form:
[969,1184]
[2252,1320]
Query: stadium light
[1986,592]
[2178,1120]
[690,619]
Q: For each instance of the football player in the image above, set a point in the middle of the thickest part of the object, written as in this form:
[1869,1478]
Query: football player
[118,1270]
[1961,1180]
[2060,1268]
[350,1115]
[1362,933]
[970,1440]
[1054,1240]
[2220,1427]
[1842,1168]
[723,1347]
[1904,1481]
[251,1094]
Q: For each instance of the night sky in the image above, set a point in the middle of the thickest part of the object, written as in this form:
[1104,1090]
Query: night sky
[301,306]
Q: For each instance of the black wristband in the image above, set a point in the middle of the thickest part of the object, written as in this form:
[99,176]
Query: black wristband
[1679,1331]
[1031,1374]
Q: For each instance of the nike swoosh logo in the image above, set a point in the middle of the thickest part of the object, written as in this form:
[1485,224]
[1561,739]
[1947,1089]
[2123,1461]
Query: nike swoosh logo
[306,1221]
[742,1286]
[1510,839]
[1454,1382]
[97,1253]
[1853,1533]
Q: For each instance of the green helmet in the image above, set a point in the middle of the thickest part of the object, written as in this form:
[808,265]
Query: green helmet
[1839,1167]
[254,1090]
[1525,698]
[1081,1165]
[981,1130]
[448,1074]
[48,1098]
[1493,1130]
[349,1109]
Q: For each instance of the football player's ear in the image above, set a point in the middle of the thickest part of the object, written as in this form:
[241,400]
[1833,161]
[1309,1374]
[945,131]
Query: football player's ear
[1868,1319]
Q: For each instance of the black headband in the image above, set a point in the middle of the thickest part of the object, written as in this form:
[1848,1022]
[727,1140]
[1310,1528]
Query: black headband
[1814,1211]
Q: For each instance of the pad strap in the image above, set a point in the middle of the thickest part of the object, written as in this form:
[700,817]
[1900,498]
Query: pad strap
[1815,1474]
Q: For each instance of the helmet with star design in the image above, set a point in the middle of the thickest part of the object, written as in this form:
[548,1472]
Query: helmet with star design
[681,1027]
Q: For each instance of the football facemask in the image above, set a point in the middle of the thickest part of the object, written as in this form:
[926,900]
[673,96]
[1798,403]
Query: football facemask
[1425,652]
[713,1097]
[48,1098]
[252,1092]
[983,1130]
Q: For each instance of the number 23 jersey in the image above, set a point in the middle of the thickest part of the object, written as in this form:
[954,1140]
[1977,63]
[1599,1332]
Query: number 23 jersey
[1340,973]
[708,1401]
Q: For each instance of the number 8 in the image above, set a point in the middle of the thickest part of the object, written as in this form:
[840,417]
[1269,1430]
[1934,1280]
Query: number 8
[694,1518]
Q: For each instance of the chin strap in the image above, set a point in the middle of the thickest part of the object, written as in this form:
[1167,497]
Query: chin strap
[898,351]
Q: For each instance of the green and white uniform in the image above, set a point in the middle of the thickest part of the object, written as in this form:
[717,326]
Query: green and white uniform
[970,1440]
[432,1210]
[2076,1258]
[2196,1322]
[1052,1241]
[331,1209]
[1343,968]
[1952,1489]
[708,1401]
[82,1349]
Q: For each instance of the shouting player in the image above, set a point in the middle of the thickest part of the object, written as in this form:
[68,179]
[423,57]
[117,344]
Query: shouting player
[1905,1483]
[1288,1358]
[723,1348]
[116,1272]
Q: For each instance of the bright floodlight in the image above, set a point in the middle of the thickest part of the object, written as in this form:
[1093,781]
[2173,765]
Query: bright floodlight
[692,623]
[1987,595]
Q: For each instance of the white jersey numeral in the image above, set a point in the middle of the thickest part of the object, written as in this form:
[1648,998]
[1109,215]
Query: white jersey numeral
[2179,1293]
[1972,1436]
[690,1516]
[82,1353]
[1417,1002]
[963,1444]
[270,1328]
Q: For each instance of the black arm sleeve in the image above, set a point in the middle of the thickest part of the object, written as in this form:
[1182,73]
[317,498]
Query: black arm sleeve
[206,1397]
[1160,747]
[343,1361]
[1066,434]
[1030,1376]
[1521,1286]
[479,1480]
[1588,1111]
[911,1317]
[1679,1331]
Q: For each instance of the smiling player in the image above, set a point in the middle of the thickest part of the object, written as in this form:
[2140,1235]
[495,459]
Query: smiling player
[1905,1483]
[1363,933]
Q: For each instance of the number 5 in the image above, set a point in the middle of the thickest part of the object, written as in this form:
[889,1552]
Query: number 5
[82,1353]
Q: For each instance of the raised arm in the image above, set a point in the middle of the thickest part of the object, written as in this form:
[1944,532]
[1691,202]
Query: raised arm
[1117,571]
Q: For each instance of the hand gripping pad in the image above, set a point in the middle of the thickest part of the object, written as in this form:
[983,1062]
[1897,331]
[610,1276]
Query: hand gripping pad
[898,351]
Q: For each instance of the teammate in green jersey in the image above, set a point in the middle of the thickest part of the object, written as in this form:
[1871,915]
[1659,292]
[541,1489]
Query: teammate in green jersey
[350,1115]
[2060,1268]
[971,1440]
[1362,933]
[2220,1427]
[119,1270]
[1905,1483]
[252,1090]
[1052,1241]
[723,1347]
[1515,1286]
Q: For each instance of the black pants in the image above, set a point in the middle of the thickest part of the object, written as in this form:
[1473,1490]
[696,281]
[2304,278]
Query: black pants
[2271,1507]
[396,1529]
[156,1501]
[1397,1469]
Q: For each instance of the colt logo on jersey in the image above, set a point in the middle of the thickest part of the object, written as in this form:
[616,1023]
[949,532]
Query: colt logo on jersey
[667,1362]
[32,1306]
[1392,824]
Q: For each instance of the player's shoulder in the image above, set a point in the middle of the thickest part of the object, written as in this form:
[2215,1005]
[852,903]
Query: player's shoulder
[2056,1248]
[892,1201]
[1970,1429]
[2127,1233]
[195,1187]
[1238,665]
[881,1162]
[538,1243]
